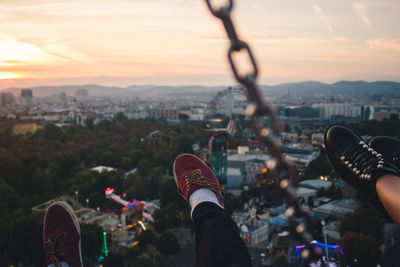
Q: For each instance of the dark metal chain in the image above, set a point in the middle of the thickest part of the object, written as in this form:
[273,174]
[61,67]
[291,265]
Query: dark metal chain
[281,170]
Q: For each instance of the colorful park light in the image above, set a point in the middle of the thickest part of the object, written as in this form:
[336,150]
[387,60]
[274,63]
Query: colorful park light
[133,203]
[320,245]
[109,190]
[142,224]
[134,244]
[105,249]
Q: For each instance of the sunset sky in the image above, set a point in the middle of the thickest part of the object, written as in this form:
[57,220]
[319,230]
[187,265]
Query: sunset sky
[177,42]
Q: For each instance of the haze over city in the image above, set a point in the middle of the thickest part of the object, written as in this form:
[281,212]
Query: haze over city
[178,42]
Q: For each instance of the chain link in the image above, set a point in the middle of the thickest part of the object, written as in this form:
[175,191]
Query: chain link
[281,170]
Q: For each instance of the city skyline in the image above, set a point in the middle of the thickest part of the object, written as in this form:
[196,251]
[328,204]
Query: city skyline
[179,42]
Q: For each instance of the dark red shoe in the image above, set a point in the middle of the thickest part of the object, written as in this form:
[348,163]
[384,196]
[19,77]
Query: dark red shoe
[61,236]
[191,173]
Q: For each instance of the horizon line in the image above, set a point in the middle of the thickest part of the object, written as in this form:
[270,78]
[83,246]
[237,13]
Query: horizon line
[192,85]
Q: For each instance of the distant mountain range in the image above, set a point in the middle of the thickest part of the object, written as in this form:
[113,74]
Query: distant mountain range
[346,88]
[130,91]
[350,88]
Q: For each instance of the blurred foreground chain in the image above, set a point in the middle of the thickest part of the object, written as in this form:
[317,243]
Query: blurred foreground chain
[282,171]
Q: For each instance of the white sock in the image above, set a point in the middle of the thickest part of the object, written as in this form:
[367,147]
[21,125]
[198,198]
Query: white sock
[202,195]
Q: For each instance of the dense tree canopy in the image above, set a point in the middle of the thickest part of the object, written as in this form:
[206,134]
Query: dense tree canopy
[54,162]
[167,243]
[363,221]
[360,250]
[317,167]
[362,232]
[144,260]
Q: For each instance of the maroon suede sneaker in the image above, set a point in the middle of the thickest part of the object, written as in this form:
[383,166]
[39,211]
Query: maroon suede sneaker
[62,236]
[191,173]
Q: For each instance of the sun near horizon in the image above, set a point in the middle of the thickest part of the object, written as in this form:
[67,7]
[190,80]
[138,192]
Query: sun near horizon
[8,75]
[146,42]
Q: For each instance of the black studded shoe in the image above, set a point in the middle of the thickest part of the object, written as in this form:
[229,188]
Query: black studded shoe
[357,163]
[389,147]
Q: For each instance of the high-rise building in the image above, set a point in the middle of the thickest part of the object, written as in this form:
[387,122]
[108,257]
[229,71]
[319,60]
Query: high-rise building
[328,110]
[26,97]
[82,93]
[7,99]
[62,97]
[382,112]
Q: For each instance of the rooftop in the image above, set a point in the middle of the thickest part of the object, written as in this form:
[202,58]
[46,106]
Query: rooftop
[249,157]
[102,169]
[338,207]
[302,191]
[315,184]
[234,171]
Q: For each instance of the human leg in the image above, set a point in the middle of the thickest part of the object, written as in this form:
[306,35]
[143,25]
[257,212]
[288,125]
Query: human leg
[218,242]
[61,236]
[388,188]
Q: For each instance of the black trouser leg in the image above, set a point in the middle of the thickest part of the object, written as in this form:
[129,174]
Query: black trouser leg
[218,242]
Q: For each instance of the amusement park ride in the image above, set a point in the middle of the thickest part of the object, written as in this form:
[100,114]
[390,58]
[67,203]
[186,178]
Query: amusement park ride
[219,101]
[133,217]
[221,138]
[251,221]
[332,252]
[217,152]
[134,207]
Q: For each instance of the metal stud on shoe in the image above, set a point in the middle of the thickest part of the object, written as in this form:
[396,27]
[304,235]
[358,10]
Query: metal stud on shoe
[361,163]
[363,174]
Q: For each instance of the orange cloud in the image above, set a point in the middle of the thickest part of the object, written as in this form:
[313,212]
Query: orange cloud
[385,44]
[12,50]
[361,10]
[321,15]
